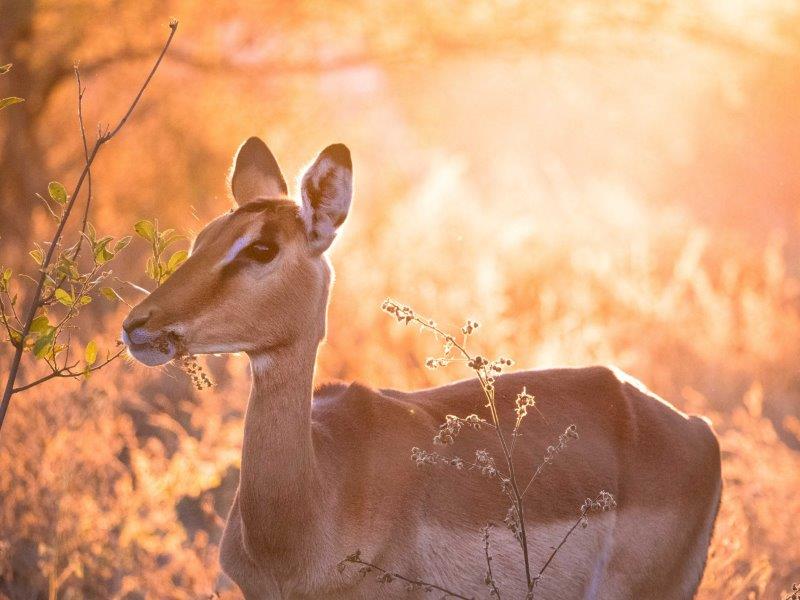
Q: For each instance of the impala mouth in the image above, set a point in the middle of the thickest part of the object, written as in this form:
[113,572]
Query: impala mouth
[151,349]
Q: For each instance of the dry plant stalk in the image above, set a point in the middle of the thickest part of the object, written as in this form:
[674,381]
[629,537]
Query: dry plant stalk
[484,463]
[59,279]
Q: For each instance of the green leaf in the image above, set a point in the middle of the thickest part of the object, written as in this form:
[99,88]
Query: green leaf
[150,268]
[176,260]
[9,101]
[41,347]
[44,345]
[91,233]
[38,255]
[7,274]
[101,252]
[90,354]
[40,325]
[64,297]
[167,238]
[57,192]
[145,229]
[111,294]
[122,243]
[5,68]
[84,300]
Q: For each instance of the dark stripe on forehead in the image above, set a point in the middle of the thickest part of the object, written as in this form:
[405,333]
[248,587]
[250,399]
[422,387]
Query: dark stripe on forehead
[279,213]
[274,204]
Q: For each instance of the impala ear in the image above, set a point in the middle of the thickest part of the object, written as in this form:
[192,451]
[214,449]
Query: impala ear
[326,188]
[255,173]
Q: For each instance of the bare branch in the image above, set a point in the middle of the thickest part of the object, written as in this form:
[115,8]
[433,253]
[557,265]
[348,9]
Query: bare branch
[81,90]
[388,576]
[6,324]
[494,591]
[570,432]
[604,502]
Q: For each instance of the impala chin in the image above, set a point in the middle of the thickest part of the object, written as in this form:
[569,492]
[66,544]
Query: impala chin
[155,352]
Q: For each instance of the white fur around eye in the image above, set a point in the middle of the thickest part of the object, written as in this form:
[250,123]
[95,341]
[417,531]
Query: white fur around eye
[240,244]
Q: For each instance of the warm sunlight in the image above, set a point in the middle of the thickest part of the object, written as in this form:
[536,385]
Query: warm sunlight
[595,183]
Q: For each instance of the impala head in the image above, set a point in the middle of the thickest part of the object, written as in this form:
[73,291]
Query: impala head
[257,277]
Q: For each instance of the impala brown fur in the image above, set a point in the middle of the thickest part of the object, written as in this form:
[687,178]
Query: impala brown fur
[327,473]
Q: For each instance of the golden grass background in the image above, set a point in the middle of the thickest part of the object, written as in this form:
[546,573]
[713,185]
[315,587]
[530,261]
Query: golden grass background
[593,183]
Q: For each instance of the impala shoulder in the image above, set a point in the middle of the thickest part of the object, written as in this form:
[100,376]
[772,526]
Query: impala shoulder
[362,406]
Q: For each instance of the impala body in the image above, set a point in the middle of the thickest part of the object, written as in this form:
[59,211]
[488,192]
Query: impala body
[326,472]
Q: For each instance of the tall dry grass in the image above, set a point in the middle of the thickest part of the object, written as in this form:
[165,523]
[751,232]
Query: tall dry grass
[118,488]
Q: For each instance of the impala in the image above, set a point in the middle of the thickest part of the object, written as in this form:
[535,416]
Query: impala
[326,472]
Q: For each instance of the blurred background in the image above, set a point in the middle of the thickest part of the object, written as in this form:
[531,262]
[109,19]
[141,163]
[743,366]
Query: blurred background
[595,182]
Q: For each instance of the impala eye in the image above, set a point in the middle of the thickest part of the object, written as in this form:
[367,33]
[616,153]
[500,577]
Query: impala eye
[260,252]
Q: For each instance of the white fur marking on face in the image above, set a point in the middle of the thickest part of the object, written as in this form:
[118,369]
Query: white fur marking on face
[240,244]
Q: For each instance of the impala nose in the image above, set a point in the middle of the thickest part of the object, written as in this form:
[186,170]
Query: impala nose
[136,319]
[134,328]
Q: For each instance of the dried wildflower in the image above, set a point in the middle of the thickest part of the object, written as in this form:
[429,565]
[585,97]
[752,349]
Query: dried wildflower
[452,427]
[570,432]
[477,363]
[421,457]
[487,371]
[403,314]
[469,327]
[191,367]
[457,462]
[523,403]
[604,502]
[512,522]
[485,463]
[433,363]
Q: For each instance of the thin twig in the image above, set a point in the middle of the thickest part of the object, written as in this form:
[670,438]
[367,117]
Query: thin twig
[36,299]
[173,25]
[488,556]
[81,91]
[67,372]
[7,325]
[356,559]
[534,476]
[556,549]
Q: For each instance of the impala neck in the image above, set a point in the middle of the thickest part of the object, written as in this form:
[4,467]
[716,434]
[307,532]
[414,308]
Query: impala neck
[279,481]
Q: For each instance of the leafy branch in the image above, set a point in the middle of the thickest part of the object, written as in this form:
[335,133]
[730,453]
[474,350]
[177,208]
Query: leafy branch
[59,279]
[158,269]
